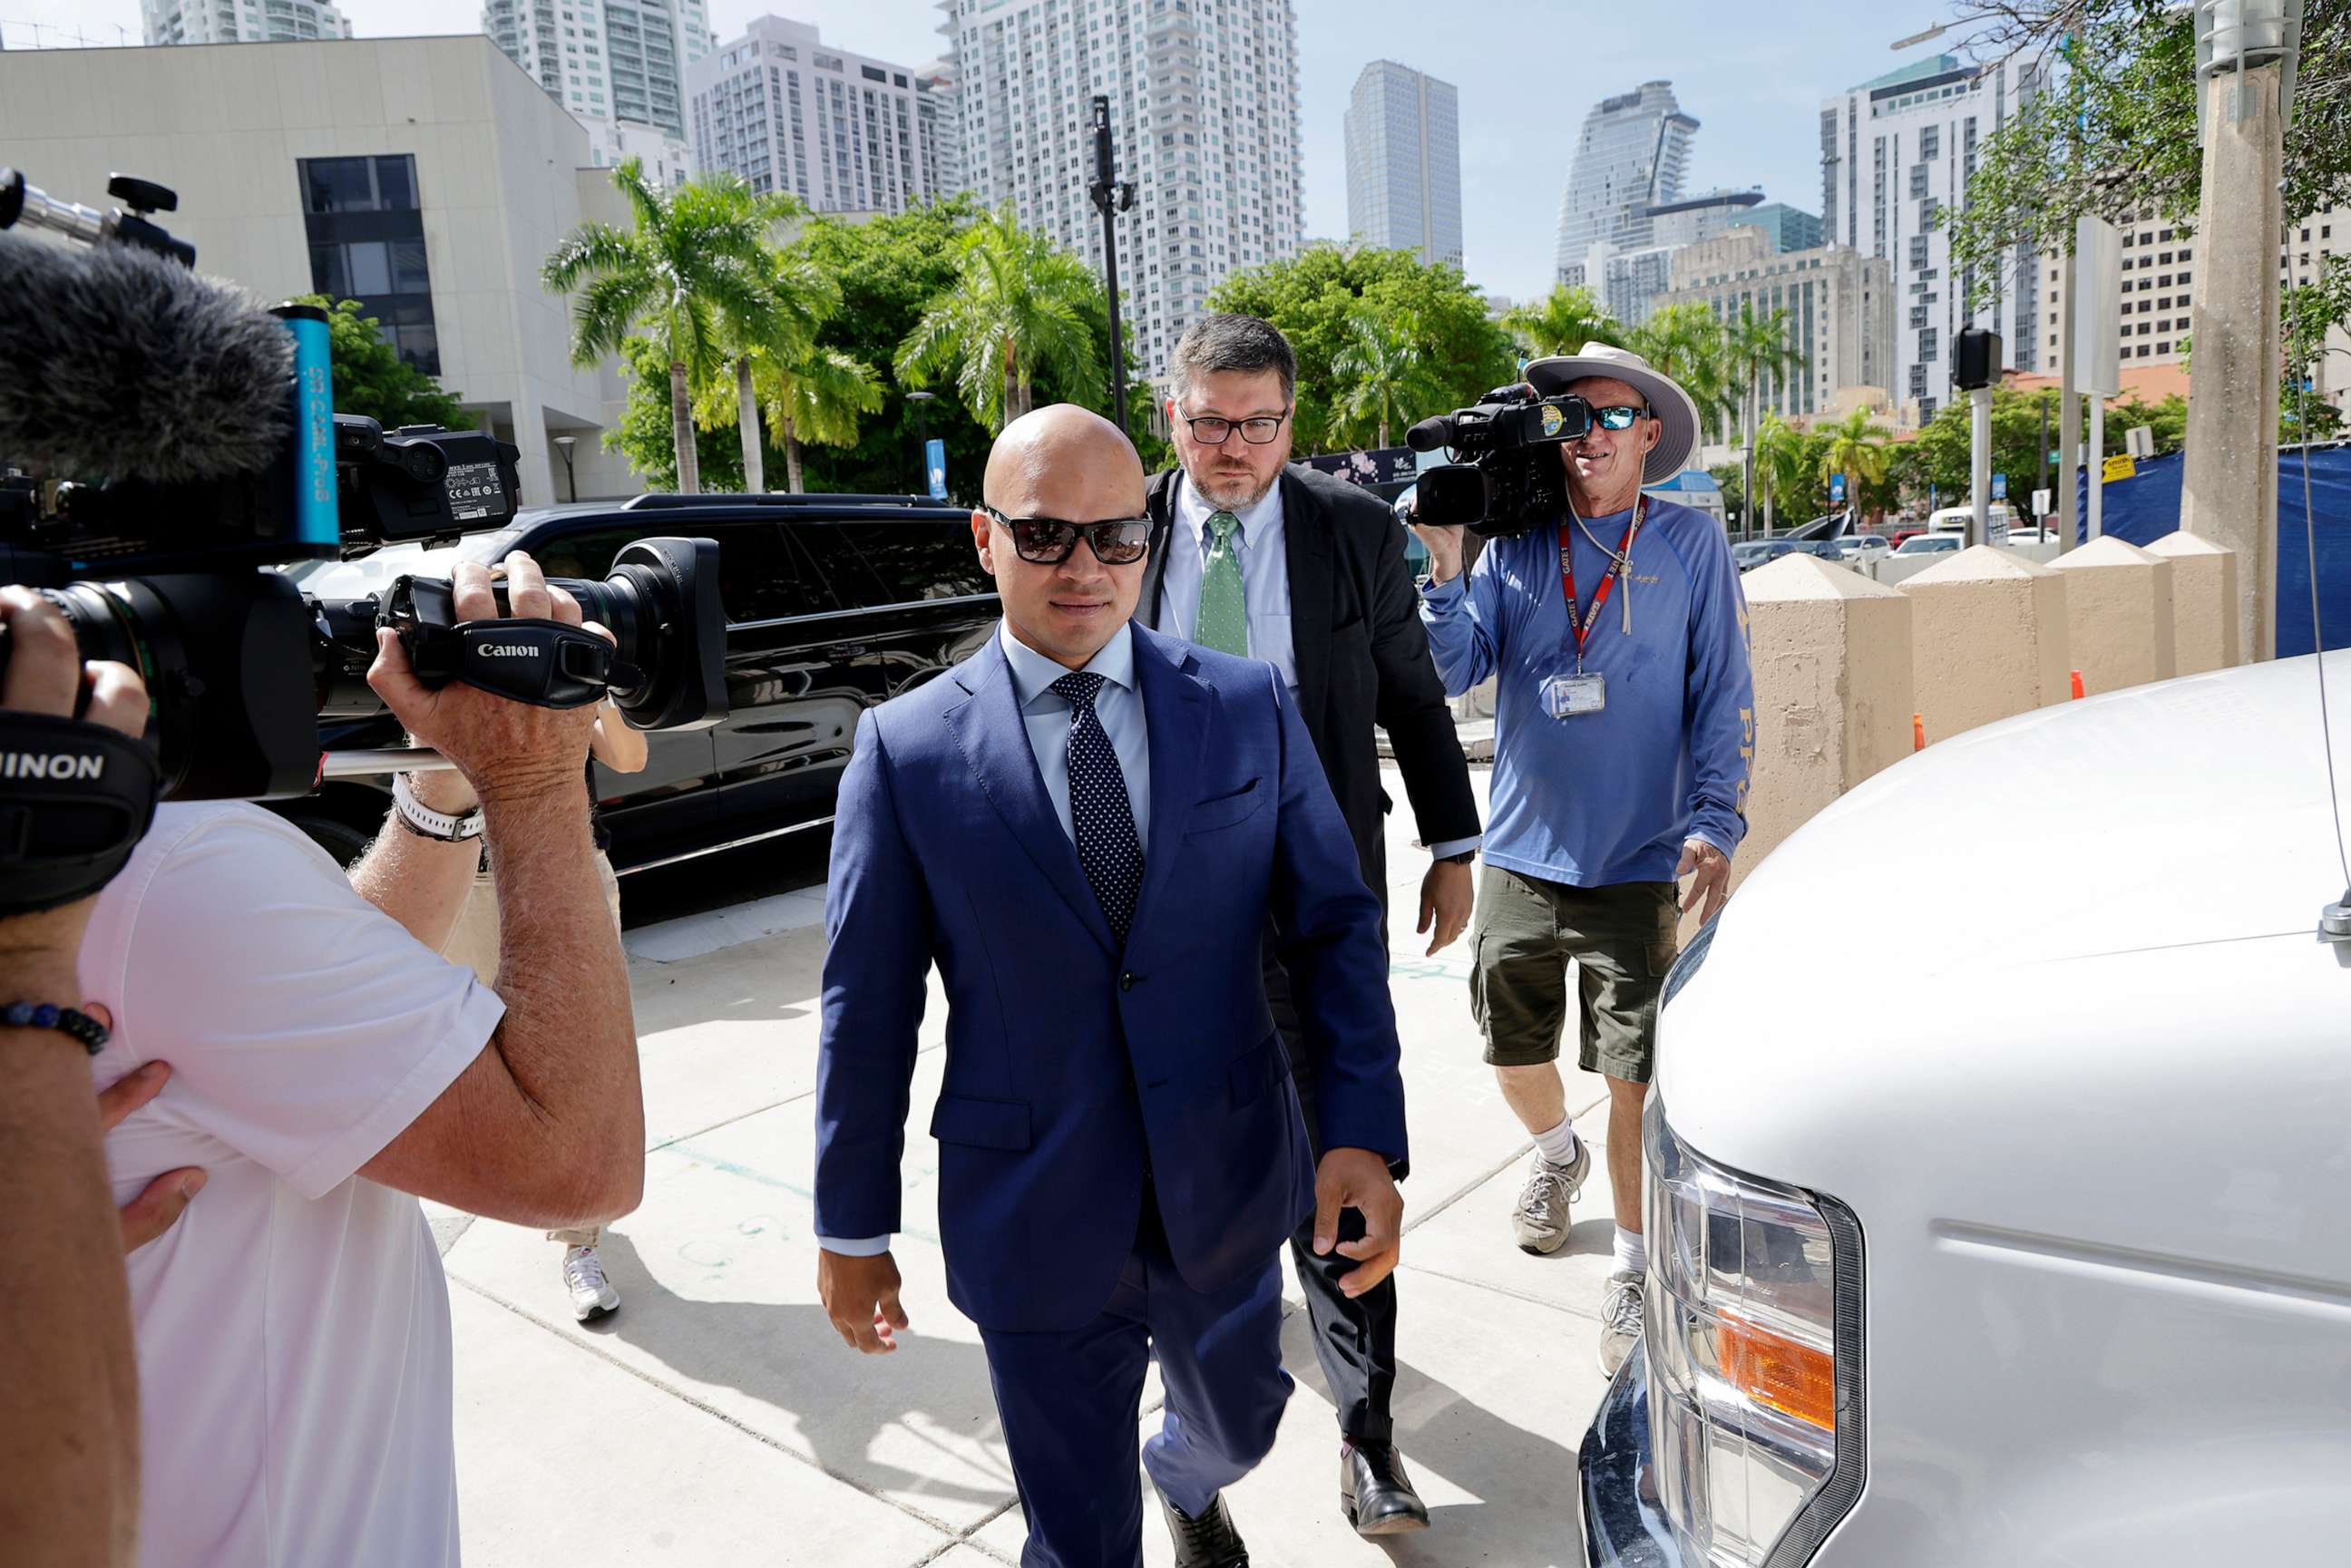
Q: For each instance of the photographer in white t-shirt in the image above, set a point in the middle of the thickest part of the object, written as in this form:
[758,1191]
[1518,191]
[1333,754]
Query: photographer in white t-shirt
[328,1069]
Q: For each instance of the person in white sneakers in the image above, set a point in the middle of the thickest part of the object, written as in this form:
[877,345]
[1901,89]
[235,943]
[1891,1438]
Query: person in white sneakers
[1624,741]
[474,943]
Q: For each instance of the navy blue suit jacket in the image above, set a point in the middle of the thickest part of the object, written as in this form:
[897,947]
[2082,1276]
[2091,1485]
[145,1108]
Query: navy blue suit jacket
[1073,1066]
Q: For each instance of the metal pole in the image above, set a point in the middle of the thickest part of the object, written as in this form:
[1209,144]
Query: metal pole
[2097,464]
[1979,464]
[2043,484]
[1111,198]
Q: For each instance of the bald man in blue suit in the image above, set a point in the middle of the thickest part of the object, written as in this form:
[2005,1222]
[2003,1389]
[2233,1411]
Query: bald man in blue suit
[1085,826]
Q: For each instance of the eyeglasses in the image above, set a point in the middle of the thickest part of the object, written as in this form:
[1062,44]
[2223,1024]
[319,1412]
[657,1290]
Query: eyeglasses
[1619,417]
[1260,431]
[1049,541]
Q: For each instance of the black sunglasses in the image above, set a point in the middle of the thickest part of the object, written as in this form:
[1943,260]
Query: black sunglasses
[1049,541]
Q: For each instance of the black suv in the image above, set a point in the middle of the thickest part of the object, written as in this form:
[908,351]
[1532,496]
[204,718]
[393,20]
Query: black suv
[834,604]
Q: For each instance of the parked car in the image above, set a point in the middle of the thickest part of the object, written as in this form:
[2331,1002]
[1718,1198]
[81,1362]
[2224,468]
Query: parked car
[1930,544]
[834,604]
[2031,1245]
[1901,536]
[1864,546]
[1749,554]
[1955,519]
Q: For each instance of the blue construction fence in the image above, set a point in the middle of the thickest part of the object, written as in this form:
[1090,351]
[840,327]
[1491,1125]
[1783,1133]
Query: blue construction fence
[2145,506]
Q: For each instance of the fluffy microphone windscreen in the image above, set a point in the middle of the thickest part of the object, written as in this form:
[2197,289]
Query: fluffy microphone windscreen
[116,363]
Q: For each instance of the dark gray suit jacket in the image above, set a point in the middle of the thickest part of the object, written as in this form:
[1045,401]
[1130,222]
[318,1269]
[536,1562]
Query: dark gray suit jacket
[1361,655]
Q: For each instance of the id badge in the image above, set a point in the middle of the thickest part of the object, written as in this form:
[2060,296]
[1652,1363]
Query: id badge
[1568,695]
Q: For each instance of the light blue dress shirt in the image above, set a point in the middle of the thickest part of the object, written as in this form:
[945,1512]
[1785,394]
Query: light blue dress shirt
[1046,715]
[1265,574]
[1118,703]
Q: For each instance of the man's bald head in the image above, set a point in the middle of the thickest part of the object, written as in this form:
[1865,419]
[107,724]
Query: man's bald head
[1065,462]
[1071,465]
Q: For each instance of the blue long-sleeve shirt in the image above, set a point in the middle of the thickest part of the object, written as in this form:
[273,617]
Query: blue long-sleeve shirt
[1608,796]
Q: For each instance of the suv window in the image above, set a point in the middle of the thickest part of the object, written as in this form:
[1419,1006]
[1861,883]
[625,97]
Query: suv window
[896,562]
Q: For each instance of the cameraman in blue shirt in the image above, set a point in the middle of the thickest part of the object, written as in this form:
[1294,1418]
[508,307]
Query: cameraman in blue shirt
[1623,742]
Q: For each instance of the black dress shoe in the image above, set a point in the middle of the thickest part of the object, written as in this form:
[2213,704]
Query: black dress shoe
[1209,1541]
[1375,1493]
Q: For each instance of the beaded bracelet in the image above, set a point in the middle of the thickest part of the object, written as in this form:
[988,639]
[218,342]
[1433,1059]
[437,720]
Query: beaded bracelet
[48,1015]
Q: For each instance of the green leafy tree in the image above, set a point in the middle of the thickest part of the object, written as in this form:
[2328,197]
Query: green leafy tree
[1857,448]
[696,256]
[810,394]
[645,434]
[1314,295]
[1562,322]
[372,378]
[1943,451]
[1017,308]
[2309,313]
[1784,466]
[1757,348]
[796,302]
[1383,375]
[2119,133]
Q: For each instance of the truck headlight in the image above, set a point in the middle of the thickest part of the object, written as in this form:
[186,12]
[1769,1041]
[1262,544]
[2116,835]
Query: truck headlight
[1755,1358]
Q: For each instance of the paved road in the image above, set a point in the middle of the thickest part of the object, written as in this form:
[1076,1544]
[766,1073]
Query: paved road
[717,1419]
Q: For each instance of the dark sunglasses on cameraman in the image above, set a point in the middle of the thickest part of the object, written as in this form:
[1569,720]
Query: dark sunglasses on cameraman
[1618,416]
[1049,541]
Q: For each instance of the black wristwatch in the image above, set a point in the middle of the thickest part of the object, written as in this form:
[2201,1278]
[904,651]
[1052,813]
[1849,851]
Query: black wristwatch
[1464,858]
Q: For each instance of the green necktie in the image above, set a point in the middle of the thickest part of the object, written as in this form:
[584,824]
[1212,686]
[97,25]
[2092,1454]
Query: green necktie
[1223,622]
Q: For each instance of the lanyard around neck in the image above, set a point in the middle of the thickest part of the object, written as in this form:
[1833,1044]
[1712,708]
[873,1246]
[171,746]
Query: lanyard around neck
[1619,563]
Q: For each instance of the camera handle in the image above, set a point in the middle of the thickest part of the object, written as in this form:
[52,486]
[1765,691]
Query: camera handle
[546,664]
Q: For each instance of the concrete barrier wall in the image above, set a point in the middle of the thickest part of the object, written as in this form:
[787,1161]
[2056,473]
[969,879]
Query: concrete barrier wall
[1832,654]
[1989,638]
[2203,602]
[2119,614]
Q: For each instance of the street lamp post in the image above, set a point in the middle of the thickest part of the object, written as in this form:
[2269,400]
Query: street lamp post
[922,402]
[564,445]
[1110,197]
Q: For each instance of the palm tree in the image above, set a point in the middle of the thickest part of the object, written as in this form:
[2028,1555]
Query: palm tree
[1020,304]
[1777,458]
[1382,369]
[694,252]
[799,301]
[1858,449]
[818,397]
[1756,347]
[1690,343]
[1562,322]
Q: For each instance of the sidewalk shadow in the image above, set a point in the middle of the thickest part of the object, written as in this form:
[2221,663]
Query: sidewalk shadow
[790,1357]
[1526,1483]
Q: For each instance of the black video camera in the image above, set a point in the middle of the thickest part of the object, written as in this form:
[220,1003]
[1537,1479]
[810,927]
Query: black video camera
[1504,478]
[165,447]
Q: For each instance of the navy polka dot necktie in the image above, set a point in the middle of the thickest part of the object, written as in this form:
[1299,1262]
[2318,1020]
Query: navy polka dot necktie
[1099,812]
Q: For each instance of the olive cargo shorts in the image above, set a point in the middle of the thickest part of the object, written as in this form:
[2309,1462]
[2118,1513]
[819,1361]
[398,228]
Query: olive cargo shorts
[1622,939]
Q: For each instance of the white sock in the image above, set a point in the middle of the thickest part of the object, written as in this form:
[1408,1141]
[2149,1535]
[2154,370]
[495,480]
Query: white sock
[1631,1249]
[1558,1146]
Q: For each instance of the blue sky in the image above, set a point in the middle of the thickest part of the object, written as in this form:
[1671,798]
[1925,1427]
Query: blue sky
[1527,69]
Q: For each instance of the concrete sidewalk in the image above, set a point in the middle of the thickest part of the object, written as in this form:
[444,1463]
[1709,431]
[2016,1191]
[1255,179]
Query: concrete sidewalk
[717,1418]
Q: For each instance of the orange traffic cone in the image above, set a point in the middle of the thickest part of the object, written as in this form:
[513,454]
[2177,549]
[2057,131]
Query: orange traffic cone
[2077,685]
[1917,732]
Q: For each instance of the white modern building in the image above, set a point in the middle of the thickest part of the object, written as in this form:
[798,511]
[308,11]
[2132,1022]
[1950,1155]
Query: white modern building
[241,21]
[1403,163]
[1632,155]
[618,66]
[940,106]
[426,178]
[1840,306]
[1895,153]
[843,133]
[1204,101]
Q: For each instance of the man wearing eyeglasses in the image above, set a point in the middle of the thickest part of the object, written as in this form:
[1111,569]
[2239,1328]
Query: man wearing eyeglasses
[1087,827]
[1254,557]
[1624,739]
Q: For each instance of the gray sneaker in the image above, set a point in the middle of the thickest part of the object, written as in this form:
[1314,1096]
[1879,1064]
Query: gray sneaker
[1620,1318]
[1542,1220]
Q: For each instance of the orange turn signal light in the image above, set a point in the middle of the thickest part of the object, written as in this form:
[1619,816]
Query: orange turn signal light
[1778,1372]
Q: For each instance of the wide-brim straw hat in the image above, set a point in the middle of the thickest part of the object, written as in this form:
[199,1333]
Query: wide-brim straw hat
[1675,411]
